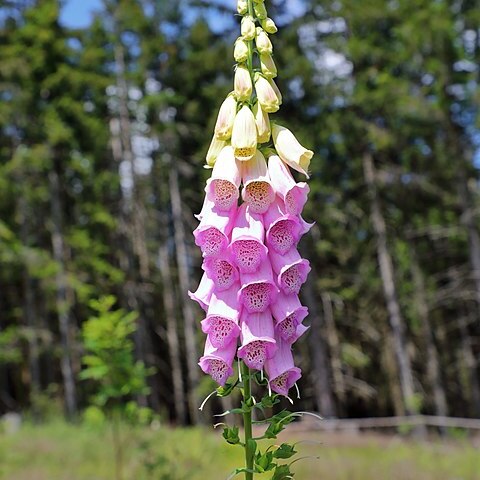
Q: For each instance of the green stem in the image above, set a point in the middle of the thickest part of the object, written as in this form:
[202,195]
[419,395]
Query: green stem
[247,422]
[251,12]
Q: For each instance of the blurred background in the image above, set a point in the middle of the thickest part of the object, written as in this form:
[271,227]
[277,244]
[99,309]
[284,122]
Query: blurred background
[107,110]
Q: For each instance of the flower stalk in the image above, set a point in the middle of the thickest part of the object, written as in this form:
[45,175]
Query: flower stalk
[252,269]
[247,422]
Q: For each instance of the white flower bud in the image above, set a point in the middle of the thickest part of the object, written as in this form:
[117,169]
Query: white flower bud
[226,117]
[247,28]
[260,10]
[269,25]
[263,124]
[214,150]
[244,134]
[240,51]
[266,95]
[269,69]
[264,45]
[290,150]
[242,83]
[242,7]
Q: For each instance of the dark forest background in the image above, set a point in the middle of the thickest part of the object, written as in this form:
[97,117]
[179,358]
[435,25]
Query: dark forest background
[103,135]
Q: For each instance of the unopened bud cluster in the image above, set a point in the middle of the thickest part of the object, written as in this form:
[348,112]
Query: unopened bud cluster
[252,268]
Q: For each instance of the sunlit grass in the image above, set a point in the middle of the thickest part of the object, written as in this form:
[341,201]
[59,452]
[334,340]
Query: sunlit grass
[58,451]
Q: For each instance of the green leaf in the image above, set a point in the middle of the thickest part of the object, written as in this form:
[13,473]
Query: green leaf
[282,472]
[263,462]
[284,451]
[230,434]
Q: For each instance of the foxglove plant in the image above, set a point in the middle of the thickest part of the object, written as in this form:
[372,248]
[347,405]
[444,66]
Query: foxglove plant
[253,271]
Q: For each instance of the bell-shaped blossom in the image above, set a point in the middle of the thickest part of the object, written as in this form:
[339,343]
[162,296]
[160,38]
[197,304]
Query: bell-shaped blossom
[263,43]
[212,235]
[242,7]
[257,336]
[244,134]
[258,290]
[260,10]
[247,28]
[293,194]
[246,248]
[283,230]
[269,25]
[222,186]
[292,270]
[263,124]
[281,369]
[242,83]
[221,270]
[289,314]
[258,192]
[218,362]
[226,117]
[240,50]
[203,293]
[290,150]
[267,65]
[221,322]
[214,150]
[276,90]
[266,95]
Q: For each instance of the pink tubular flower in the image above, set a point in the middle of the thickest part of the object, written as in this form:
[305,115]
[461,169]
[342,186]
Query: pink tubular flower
[222,186]
[247,248]
[258,343]
[294,195]
[281,370]
[221,271]
[283,230]
[292,270]
[289,314]
[257,193]
[203,294]
[214,229]
[258,290]
[221,323]
[217,362]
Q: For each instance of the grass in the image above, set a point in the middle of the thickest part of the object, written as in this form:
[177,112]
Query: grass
[58,451]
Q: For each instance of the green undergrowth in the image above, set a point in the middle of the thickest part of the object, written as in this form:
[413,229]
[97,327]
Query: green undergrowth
[59,451]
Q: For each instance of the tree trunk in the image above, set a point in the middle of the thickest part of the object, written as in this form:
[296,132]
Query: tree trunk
[432,357]
[62,304]
[172,331]
[470,366]
[133,212]
[29,310]
[319,356]
[187,310]
[389,289]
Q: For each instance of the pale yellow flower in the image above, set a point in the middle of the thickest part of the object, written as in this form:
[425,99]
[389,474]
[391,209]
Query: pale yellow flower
[242,83]
[244,134]
[290,150]
[276,90]
[263,124]
[247,28]
[269,69]
[226,116]
[264,45]
[240,51]
[242,7]
[266,95]
[260,10]
[269,25]
[214,150]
